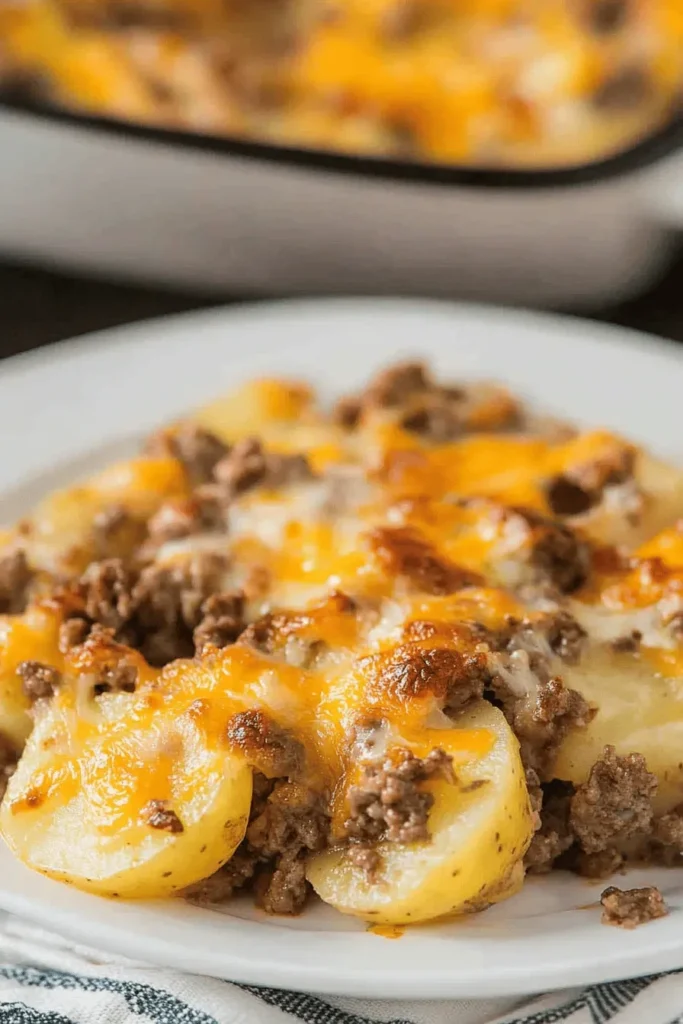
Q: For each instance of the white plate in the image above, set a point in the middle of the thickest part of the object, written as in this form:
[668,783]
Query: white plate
[67,409]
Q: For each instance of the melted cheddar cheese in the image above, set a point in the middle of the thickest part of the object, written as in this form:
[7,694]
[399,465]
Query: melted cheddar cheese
[515,82]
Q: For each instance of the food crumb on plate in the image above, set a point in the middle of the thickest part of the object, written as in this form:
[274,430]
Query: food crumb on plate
[629,908]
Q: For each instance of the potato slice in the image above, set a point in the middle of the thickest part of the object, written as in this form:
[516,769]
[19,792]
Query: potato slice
[31,636]
[474,856]
[258,407]
[661,486]
[60,531]
[89,803]
[639,711]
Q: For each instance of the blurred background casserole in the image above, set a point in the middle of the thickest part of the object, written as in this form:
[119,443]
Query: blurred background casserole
[483,82]
[517,151]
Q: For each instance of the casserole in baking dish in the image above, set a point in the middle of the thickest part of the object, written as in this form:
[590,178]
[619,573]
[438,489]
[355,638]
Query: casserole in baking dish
[402,652]
[486,82]
[95,190]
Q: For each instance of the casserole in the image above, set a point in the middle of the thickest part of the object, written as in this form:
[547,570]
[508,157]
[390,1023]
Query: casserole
[389,652]
[499,83]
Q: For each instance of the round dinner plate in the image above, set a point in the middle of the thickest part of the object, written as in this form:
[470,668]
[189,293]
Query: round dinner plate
[71,408]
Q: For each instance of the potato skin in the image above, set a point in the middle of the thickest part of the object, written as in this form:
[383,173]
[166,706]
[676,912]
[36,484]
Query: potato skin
[478,840]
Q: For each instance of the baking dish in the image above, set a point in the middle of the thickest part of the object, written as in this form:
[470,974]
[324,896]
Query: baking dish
[224,215]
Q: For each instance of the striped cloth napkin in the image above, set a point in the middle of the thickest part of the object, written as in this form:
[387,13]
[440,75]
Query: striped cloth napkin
[47,980]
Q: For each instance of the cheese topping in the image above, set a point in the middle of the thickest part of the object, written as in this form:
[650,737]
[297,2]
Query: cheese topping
[485,83]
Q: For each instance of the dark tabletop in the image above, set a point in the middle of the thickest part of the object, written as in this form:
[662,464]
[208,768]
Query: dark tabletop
[38,307]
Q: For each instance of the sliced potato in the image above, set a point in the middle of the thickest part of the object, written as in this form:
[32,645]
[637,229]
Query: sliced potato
[125,798]
[60,532]
[28,637]
[478,839]
[638,711]
[257,407]
[663,487]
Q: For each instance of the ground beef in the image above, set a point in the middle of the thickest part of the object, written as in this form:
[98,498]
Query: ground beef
[535,791]
[560,630]
[566,637]
[248,465]
[293,823]
[557,554]
[581,488]
[397,384]
[668,829]
[595,866]
[629,643]
[105,590]
[554,836]
[185,517]
[268,747]
[367,858]
[287,636]
[167,604]
[467,683]
[346,413]
[160,815]
[38,680]
[72,632]
[604,17]
[15,580]
[197,449]
[227,881]
[155,610]
[282,888]
[566,497]
[388,803]
[402,552]
[241,867]
[624,90]
[435,418]
[542,716]
[112,527]
[615,803]
[222,622]
[629,908]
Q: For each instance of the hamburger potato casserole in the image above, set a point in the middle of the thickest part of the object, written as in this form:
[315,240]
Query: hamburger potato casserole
[490,83]
[400,652]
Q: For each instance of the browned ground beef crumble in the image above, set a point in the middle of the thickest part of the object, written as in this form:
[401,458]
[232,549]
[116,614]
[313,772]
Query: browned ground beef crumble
[15,580]
[288,821]
[165,612]
[196,449]
[586,828]
[388,803]
[38,680]
[159,814]
[629,908]
[615,803]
